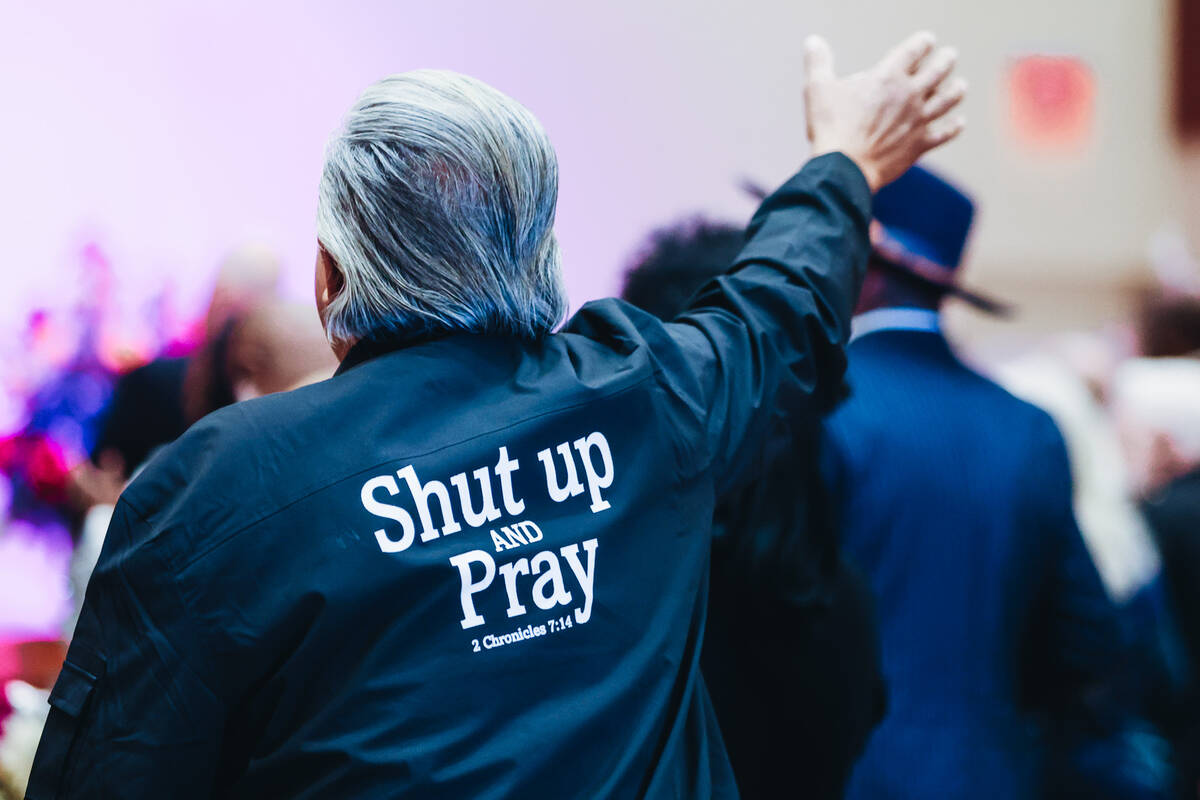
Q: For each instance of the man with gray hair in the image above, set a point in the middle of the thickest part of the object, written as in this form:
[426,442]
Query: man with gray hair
[473,563]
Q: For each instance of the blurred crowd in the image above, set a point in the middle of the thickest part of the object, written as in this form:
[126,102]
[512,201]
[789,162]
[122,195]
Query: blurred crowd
[91,410]
[833,667]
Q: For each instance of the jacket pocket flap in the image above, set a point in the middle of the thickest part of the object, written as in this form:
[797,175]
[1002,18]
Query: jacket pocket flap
[75,683]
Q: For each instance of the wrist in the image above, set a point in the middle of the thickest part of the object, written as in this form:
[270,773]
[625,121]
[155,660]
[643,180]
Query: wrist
[869,172]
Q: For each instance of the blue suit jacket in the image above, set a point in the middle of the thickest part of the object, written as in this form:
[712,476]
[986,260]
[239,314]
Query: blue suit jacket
[955,499]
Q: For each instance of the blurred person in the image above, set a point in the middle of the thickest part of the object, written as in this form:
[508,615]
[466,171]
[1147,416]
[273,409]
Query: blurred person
[276,347]
[1159,399]
[19,734]
[247,277]
[1168,324]
[1072,380]
[474,562]
[955,499]
[1154,402]
[791,649]
[154,404]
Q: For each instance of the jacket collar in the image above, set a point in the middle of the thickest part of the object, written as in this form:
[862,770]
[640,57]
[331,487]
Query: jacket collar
[382,341]
[895,319]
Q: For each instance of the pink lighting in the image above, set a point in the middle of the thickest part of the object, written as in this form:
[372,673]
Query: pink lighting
[34,598]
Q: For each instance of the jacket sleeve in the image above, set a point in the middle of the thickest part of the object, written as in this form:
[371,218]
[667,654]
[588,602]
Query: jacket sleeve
[129,716]
[768,339]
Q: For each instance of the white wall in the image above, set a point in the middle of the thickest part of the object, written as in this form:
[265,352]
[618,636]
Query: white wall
[168,132]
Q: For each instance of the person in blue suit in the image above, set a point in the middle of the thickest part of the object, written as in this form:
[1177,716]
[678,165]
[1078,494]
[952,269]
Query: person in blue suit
[955,498]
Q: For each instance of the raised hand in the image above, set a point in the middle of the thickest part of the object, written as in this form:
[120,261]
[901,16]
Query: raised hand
[888,116]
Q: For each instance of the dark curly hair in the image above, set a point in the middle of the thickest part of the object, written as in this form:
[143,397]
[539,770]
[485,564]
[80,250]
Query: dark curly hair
[794,547]
[676,261]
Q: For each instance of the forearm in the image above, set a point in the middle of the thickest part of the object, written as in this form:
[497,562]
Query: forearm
[769,338]
[808,245]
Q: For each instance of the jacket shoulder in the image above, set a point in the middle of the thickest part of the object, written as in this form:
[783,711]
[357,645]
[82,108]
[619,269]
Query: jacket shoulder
[1031,432]
[1029,418]
[197,483]
[933,397]
[942,372]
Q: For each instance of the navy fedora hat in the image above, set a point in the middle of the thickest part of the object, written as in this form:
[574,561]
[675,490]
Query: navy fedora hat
[921,222]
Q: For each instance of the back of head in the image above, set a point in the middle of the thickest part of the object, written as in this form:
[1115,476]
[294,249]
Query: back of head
[437,206]
[889,285]
[278,346]
[248,275]
[676,261]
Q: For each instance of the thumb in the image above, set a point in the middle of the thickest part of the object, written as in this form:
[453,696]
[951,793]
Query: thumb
[818,59]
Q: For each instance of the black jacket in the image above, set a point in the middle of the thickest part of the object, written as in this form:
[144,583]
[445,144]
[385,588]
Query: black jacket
[791,652]
[277,614]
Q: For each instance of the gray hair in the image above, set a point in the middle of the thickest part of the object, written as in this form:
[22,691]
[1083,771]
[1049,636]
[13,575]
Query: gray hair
[437,205]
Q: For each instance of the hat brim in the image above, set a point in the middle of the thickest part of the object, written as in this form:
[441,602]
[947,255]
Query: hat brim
[894,255]
[899,258]
[948,285]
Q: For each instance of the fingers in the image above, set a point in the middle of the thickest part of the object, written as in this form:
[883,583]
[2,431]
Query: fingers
[935,69]
[944,99]
[818,59]
[943,130]
[907,56]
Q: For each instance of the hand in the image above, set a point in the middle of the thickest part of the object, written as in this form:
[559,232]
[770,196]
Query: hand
[887,117]
[89,485]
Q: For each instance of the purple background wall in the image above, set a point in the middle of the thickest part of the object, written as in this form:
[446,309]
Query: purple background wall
[170,132]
